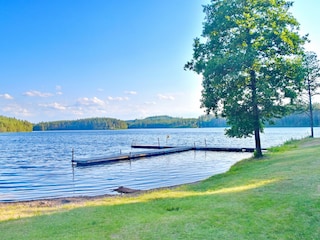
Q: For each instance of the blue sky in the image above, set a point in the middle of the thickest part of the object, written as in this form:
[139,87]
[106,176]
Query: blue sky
[72,59]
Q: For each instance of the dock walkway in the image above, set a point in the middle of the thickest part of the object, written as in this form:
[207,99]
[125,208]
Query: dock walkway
[129,156]
[157,151]
[199,148]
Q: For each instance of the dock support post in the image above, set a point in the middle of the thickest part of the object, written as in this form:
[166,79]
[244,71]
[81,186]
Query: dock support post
[72,154]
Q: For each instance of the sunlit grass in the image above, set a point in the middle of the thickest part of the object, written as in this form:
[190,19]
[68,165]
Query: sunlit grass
[290,144]
[22,210]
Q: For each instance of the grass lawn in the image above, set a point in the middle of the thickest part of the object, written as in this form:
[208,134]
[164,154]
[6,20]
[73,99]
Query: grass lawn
[277,197]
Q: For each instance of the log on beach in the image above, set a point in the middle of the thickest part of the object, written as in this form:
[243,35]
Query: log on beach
[125,190]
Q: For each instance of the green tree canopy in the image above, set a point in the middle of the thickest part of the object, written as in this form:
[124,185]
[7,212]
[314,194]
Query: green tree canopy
[8,124]
[250,57]
[82,124]
[163,122]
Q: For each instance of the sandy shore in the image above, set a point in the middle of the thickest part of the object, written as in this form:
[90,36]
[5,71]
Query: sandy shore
[23,209]
[50,202]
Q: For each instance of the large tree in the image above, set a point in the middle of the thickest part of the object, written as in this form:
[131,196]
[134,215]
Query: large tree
[250,57]
[312,81]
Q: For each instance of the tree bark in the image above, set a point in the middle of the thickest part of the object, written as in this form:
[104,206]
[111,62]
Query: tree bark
[310,108]
[255,111]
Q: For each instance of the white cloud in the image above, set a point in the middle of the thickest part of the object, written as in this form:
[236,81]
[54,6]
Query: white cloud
[34,93]
[90,101]
[120,99]
[131,92]
[58,90]
[6,96]
[55,105]
[16,110]
[165,97]
[150,103]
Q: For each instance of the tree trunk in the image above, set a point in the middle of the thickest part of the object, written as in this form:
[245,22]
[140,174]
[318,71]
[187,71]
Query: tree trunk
[310,109]
[255,111]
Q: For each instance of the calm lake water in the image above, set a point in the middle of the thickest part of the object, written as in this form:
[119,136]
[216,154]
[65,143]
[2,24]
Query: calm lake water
[37,165]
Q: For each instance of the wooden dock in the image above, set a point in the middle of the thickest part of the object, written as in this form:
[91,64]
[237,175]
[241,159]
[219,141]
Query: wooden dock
[129,156]
[199,148]
[157,151]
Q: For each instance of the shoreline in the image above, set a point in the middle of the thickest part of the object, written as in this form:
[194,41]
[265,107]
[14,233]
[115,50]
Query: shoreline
[30,208]
[61,201]
[24,209]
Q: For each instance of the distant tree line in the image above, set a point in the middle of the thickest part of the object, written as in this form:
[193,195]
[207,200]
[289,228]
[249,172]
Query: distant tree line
[292,120]
[211,121]
[299,119]
[82,124]
[163,122]
[14,125]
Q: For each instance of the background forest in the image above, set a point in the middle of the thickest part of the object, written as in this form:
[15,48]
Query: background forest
[7,124]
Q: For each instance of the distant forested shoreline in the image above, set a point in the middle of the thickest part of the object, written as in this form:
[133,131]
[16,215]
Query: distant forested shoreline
[8,124]
[82,124]
[163,122]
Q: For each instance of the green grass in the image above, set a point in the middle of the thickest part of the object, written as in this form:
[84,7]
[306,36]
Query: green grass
[290,144]
[276,197]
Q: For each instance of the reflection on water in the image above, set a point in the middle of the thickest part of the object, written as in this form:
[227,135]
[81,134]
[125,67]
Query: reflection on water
[38,164]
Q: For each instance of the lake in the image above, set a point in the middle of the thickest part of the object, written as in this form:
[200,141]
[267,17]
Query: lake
[37,165]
